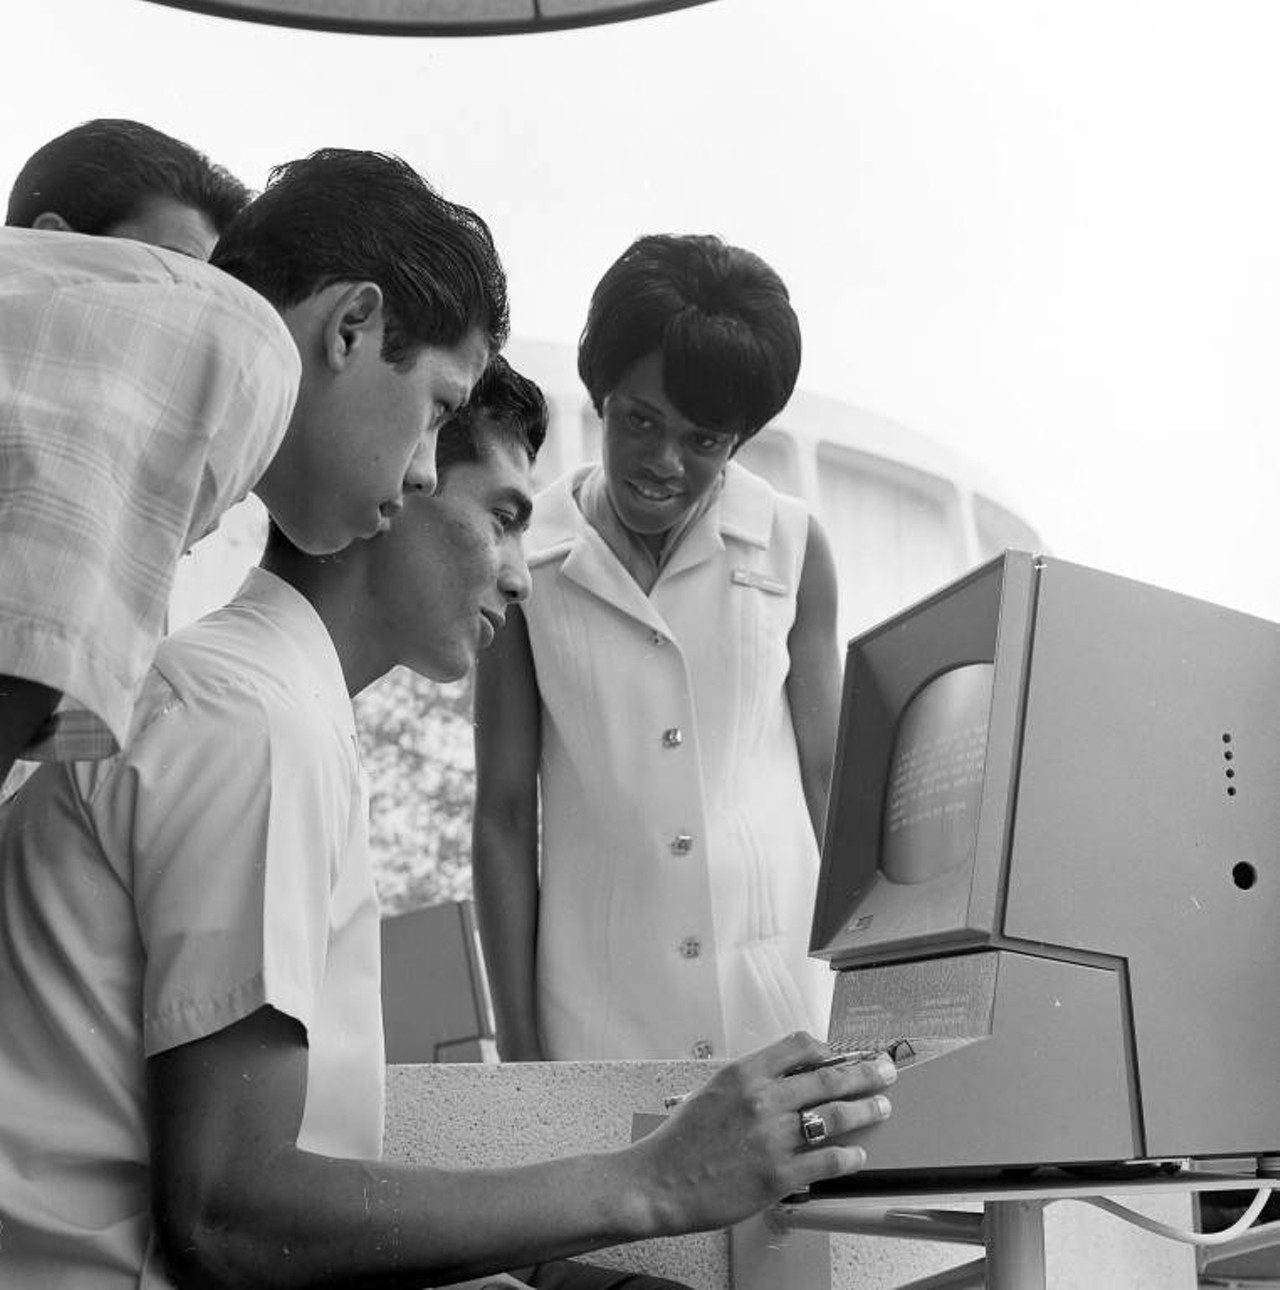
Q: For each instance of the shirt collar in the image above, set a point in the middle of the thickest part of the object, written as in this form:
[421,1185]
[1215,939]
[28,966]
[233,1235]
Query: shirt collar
[295,617]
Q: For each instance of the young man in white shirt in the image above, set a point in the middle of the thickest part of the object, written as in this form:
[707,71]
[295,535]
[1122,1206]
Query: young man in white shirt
[190,1037]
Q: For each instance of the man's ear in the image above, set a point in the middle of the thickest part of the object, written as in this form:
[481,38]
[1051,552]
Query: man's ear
[354,321]
[51,222]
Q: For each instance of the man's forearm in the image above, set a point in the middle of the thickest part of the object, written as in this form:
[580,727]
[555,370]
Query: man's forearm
[237,1202]
[312,1220]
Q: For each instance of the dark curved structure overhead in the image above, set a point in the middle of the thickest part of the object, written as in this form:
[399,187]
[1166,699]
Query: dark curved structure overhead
[431,17]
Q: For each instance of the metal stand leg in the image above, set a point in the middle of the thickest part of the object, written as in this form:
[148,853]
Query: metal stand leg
[885,1220]
[767,1251]
[968,1276]
[764,1255]
[1014,1231]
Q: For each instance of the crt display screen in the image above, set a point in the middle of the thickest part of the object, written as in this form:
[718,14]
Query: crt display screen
[930,822]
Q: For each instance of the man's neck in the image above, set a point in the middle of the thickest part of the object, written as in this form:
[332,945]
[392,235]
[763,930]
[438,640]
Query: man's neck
[333,586]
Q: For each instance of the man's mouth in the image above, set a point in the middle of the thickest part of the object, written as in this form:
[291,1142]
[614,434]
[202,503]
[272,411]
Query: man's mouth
[387,511]
[494,624]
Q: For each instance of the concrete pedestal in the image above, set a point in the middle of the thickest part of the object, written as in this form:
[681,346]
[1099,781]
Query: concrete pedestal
[473,1115]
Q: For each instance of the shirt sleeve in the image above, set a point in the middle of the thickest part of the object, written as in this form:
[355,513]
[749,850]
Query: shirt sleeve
[132,414]
[232,813]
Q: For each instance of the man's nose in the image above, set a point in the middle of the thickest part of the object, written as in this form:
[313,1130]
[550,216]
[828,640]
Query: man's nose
[420,477]
[514,580]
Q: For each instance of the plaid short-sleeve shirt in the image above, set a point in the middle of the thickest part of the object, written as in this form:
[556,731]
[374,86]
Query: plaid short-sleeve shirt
[141,394]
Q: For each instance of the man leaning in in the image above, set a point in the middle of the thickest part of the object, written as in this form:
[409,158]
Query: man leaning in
[142,393]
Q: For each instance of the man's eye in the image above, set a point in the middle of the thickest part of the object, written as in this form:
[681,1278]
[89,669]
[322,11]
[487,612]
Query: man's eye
[639,421]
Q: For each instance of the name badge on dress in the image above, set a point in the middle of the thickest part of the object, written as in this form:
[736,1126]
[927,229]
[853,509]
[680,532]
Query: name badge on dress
[762,582]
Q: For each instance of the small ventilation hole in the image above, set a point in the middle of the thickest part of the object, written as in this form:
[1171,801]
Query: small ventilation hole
[1244,875]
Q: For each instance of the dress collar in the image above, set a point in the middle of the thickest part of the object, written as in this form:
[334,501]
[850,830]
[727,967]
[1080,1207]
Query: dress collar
[596,505]
[742,511]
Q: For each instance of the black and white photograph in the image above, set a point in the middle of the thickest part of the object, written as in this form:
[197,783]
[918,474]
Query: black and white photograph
[639,644]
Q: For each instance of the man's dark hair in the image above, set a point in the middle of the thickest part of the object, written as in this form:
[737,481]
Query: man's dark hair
[511,408]
[101,173]
[342,215]
[720,317]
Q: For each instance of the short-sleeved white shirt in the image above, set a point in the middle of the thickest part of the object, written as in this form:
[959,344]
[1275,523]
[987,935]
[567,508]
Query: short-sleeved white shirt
[142,393]
[216,865]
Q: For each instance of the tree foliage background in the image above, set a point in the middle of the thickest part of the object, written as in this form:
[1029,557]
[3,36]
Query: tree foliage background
[415,739]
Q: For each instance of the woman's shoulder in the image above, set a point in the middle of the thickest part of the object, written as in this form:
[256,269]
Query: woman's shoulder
[752,505]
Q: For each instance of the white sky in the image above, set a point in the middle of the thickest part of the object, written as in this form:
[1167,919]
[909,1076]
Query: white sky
[1042,233]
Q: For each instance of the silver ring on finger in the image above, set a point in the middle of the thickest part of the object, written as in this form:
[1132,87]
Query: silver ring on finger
[813,1128]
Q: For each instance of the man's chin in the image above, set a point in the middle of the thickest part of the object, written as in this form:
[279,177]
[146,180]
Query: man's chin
[441,670]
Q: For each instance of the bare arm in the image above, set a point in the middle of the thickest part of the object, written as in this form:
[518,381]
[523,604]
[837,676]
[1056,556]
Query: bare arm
[237,1202]
[504,835]
[813,683]
[24,707]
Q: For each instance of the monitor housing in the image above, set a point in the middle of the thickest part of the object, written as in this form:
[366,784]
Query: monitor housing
[1051,864]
